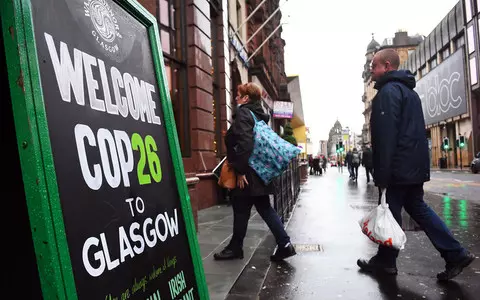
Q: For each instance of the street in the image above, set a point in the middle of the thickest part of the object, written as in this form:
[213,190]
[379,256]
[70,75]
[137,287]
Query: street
[327,236]
[458,185]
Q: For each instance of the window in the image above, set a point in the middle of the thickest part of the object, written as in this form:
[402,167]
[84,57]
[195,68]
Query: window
[459,42]
[433,63]
[171,19]
[239,18]
[478,6]
[471,40]
[468,10]
[214,15]
[423,72]
[445,53]
[473,71]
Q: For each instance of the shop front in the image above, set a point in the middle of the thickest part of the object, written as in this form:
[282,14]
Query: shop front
[446,112]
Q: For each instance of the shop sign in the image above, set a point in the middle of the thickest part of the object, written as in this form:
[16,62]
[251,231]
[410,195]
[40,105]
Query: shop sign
[443,90]
[282,110]
[238,46]
[123,226]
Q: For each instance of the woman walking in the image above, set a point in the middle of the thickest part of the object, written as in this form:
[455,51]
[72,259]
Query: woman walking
[250,188]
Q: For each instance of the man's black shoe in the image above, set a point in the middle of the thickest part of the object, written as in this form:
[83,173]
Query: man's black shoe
[453,269]
[227,254]
[283,252]
[374,266]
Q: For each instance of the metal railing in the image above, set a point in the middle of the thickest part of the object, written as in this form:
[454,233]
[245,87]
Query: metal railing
[287,189]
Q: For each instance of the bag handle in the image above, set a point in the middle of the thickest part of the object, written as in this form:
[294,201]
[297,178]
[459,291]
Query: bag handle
[254,118]
[383,199]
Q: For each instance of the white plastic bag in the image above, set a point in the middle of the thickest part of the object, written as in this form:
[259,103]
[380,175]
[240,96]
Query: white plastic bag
[380,226]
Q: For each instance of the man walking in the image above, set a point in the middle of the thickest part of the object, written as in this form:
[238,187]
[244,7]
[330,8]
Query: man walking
[348,161]
[401,165]
[355,163]
[367,162]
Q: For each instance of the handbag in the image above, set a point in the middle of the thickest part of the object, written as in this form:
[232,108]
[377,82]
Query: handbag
[228,178]
[271,154]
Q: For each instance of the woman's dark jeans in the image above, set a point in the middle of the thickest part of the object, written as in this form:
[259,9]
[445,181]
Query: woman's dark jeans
[241,215]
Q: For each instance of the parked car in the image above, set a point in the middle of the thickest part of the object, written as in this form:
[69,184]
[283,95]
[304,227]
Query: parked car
[475,166]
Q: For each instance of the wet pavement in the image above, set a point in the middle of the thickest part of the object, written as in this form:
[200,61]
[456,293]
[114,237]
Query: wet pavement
[326,233]
[459,185]
[215,227]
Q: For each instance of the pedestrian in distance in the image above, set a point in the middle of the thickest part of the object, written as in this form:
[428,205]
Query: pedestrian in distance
[250,189]
[348,161]
[324,164]
[367,162]
[355,163]
[401,165]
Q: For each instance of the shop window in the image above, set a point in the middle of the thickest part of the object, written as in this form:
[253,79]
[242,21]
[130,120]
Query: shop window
[171,19]
[471,40]
[473,71]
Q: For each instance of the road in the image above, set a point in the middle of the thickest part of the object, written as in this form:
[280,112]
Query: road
[457,185]
[325,231]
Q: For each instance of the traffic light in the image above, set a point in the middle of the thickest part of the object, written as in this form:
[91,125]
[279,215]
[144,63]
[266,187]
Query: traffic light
[336,146]
[446,143]
[340,146]
[461,142]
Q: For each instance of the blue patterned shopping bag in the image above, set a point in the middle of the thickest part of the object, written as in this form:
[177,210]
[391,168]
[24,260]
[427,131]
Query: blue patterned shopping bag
[271,154]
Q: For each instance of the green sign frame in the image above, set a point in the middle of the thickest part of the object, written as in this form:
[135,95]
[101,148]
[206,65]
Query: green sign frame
[35,152]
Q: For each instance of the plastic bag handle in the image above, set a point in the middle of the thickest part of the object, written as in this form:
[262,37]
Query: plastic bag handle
[383,199]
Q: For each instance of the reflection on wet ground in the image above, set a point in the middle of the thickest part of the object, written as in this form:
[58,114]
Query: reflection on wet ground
[327,215]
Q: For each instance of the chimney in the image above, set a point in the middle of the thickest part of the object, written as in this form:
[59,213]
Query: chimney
[401,38]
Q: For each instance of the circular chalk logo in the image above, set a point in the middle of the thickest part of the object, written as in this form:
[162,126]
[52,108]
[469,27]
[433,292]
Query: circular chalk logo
[105,24]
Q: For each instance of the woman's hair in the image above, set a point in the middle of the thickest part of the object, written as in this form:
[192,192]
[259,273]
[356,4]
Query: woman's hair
[251,90]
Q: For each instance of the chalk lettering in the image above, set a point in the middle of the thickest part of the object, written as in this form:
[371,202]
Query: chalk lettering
[152,231]
[177,284]
[137,102]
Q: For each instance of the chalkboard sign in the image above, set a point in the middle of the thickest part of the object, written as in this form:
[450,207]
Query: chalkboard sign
[116,193]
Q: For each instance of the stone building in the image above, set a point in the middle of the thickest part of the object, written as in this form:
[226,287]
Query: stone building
[207,56]
[404,45]
[335,135]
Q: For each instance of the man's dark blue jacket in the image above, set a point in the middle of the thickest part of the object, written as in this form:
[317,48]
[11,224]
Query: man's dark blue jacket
[399,142]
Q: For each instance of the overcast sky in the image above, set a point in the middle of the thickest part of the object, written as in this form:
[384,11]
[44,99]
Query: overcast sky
[326,43]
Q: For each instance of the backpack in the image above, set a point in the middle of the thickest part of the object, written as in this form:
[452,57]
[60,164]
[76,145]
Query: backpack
[356,158]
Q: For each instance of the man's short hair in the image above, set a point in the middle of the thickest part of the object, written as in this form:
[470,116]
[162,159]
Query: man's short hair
[389,55]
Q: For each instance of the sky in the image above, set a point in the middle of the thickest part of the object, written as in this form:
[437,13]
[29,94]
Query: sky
[326,43]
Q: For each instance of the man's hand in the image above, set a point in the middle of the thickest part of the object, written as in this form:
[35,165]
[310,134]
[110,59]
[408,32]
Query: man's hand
[242,181]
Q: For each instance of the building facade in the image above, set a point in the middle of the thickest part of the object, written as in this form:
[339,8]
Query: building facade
[404,45]
[266,48]
[472,27]
[446,67]
[298,121]
[323,149]
[335,135]
[207,55]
